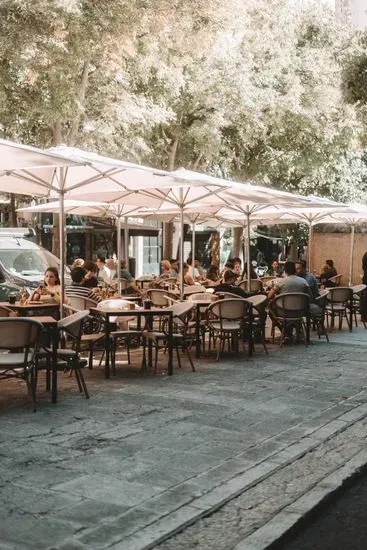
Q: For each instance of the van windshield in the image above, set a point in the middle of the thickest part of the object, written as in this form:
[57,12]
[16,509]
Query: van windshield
[27,262]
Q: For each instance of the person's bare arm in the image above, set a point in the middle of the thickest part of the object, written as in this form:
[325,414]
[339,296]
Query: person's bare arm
[271,294]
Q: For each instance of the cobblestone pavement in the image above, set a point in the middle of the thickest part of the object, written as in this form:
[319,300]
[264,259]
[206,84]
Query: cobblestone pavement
[148,455]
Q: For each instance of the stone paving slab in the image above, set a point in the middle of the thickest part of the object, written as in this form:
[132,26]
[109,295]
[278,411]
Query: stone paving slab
[147,455]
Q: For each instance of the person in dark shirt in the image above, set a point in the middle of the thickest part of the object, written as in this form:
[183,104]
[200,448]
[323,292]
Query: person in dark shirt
[327,272]
[77,288]
[364,267]
[90,279]
[228,285]
[309,278]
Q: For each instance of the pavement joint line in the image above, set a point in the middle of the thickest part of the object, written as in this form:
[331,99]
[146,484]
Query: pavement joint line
[289,516]
[169,525]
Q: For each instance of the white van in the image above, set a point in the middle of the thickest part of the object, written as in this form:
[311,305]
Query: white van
[22,261]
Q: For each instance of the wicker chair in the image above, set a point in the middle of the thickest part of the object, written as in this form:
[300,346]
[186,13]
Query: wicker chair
[68,358]
[256,285]
[290,310]
[340,305]
[318,314]
[183,334]
[22,338]
[358,291]
[259,315]
[227,319]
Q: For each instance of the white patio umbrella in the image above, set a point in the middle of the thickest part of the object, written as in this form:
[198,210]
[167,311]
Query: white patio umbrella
[243,200]
[89,208]
[314,212]
[27,170]
[99,178]
[151,189]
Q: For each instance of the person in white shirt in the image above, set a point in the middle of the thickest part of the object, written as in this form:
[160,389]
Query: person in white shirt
[103,271]
[193,271]
[111,265]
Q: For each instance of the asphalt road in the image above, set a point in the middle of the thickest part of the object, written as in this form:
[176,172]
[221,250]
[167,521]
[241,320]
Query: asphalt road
[341,524]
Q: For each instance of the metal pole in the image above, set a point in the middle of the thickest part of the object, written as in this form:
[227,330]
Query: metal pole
[248,250]
[193,247]
[352,230]
[62,244]
[119,253]
[126,240]
[310,246]
[182,282]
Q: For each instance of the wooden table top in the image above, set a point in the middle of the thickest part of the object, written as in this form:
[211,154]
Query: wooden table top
[30,305]
[44,319]
[132,312]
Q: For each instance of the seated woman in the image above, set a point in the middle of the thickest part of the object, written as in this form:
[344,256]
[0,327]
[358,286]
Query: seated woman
[188,279]
[212,275]
[50,289]
[326,273]
[165,269]
[253,274]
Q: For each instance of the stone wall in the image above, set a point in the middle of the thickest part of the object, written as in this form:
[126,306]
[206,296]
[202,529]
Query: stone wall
[336,247]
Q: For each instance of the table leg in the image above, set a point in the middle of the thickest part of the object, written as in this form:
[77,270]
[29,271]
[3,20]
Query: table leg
[107,348]
[250,335]
[197,333]
[170,345]
[55,343]
[150,343]
[351,314]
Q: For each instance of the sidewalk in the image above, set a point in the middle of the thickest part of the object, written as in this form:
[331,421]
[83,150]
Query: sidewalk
[147,455]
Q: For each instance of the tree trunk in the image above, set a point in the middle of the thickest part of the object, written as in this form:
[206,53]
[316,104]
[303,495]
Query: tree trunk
[168,226]
[167,240]
[171,159]
[12,212]
[215,248]
[237,241]
[81,103]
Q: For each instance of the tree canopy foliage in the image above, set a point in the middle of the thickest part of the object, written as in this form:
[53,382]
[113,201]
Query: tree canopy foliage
[251,89]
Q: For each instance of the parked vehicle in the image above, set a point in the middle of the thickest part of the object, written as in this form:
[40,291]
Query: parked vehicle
[22,261]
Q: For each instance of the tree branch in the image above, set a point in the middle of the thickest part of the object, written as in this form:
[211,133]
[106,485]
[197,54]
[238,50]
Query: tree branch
[56,133]
[81,103]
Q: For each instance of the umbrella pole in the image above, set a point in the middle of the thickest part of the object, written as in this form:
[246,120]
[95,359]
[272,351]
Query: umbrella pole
[248,249]
[119,253]
[182,282]
[62,244]
[310,247]
[193,247]
[126,240]
[352,230]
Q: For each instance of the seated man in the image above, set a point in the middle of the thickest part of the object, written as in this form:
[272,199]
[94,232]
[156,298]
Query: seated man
[132,287]
[290,283]
[174,268]
[77,287]
[90,279]
[103,271]
[229,285]
[308,277]
[111,265]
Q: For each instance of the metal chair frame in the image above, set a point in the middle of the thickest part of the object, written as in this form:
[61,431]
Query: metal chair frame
[289,310]
[227,319]
[22,337]
[339,303]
